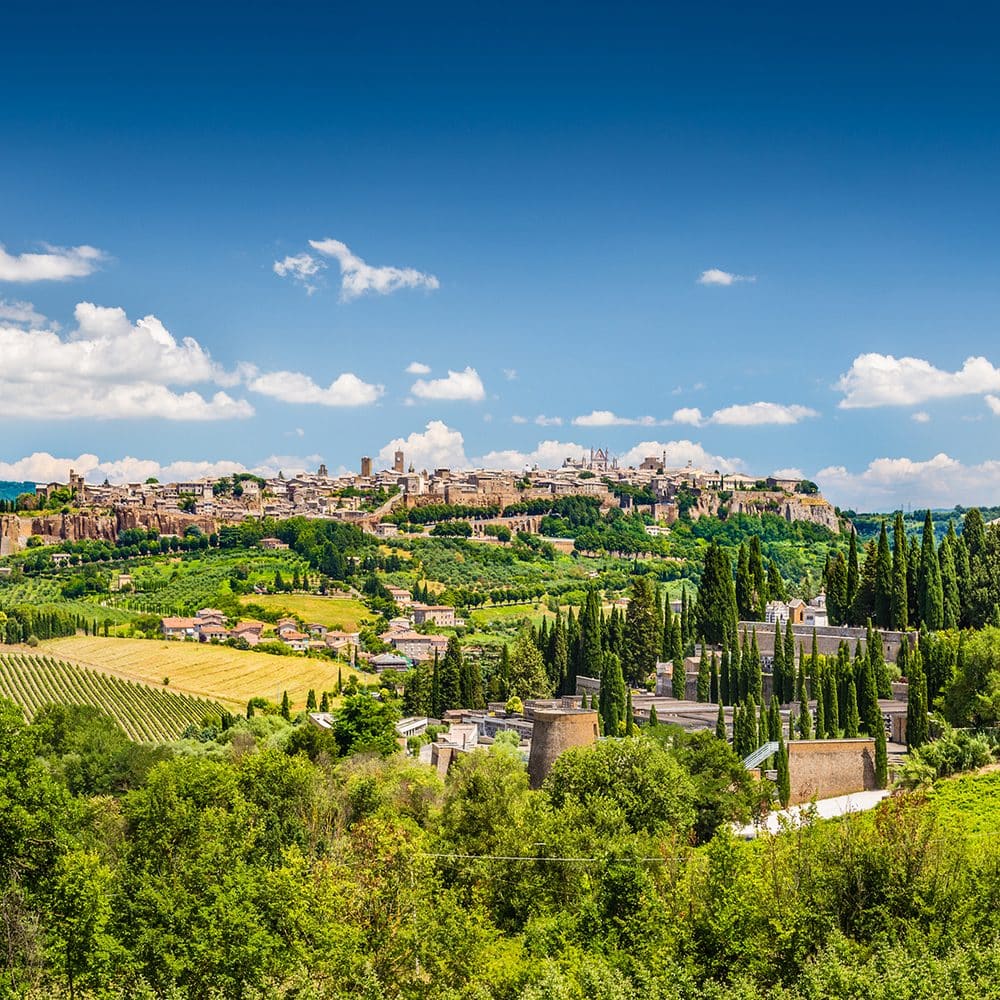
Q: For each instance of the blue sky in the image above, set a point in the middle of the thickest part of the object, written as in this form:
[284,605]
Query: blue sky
[548,188]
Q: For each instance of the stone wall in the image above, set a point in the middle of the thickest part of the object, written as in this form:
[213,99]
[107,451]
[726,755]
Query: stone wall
[823,769]
[554,731]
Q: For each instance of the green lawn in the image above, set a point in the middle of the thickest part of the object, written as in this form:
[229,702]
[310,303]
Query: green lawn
[334,612]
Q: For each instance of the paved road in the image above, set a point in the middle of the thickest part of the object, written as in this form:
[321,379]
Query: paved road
[825,809]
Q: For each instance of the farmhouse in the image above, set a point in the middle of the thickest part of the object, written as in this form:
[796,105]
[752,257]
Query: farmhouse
[437,614]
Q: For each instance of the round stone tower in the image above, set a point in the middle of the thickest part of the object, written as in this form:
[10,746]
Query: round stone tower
[555,730]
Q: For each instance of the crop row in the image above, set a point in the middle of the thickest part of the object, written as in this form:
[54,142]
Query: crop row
[146,714]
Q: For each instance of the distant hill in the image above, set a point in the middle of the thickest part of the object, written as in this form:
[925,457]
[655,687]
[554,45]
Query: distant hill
[10,490]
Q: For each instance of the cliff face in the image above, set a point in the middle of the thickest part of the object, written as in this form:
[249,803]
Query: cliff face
[54,528]
[792,508]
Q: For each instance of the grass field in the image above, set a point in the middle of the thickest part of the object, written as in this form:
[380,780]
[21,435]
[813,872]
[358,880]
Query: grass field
[146,714]
[970,805]
[229,676]
[343,612]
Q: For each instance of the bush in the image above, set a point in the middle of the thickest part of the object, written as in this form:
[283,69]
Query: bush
[32,640]
[957,750]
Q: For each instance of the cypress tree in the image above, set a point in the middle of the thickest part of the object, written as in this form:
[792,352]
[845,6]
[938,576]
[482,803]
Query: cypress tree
[952,607]
[613,696]
[685,618]
[720,723]
[929,581]
[774,719]
[788,695]
[852,720]
[629,718]
[724,681]
[286,708]
[871,714]
[758,579]
[250,709]
[853,576]
[916,703]
[784,776]
[324,702]
[667,633]
[899,611]
[560,659]
[678,679]
[450,676]
[744,585]
[880,670]
[805,720]
[831,708]
[775,585]
[913,580]
[592,648]
[792,727]
[653,720]
[641,645]
[716,609]
[753,735]
[817,685]
[883,581]
[881,759]
[704,676]
[778,664]
[311,700]
[755,679]
[713,686]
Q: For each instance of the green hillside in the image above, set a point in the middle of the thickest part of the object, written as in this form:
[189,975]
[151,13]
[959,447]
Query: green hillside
[148,715]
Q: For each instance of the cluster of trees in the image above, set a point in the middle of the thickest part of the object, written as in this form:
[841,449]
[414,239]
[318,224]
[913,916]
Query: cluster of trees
[434,513]
[915,582]
[276,859]
[24,622]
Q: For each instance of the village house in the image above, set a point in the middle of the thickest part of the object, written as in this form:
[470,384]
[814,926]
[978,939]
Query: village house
[296,640]
[389,661]
[401,596]
[436,614]
[417,646]
[179,628]
[273,544]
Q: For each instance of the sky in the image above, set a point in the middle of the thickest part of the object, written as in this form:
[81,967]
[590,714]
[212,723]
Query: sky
[753,237]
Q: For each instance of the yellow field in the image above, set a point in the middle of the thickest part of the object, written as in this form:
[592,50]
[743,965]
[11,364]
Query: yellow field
[230,676]
[343,612]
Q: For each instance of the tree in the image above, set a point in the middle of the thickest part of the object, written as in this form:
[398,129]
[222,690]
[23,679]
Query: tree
[653,720]
[713,685]
[831,708]
[311,700]
[784,776]
[629,715]
[853,575]
[916,702]
[805,721]
[931,596]
[704,676]
[678,679]
[720,723]
[744,585]
[883,581]
[716,608]
[881,759]
[899,611]
[852,720]
[286,710]
[527,671]
[364,725]
[450,678]
[641,632]
[613,696]
[952,603]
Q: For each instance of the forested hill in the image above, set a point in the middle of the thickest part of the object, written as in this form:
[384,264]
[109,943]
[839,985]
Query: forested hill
[11,490]
[869,525]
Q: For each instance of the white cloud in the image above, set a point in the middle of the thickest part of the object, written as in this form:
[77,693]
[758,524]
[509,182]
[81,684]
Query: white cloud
[510,374]
[24,314]
[713,276]
[993,402]
[438,446]
[56,264]
[466,385]
[546,455]
[678,454]
[109,368]
[359,277]
[301,268]
[688,415]
[41,467]
[922,417]
[518,419]
[544,421]
[606,418]
[758,414]
[883,380]
[789,473]
[295,387]
[418,368]
[887,483]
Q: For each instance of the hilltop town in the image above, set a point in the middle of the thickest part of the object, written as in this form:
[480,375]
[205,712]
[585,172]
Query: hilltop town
[377,499]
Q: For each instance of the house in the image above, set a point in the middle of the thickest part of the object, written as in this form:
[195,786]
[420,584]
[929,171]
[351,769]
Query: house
[401,596]
[437,614]
[340,641]
[386,529]
[249,631]
[211,616]
[211,632]
[417,646]
[273,544]
[317,629]
[179,628]
[298,641]
[399,625]
[389,661]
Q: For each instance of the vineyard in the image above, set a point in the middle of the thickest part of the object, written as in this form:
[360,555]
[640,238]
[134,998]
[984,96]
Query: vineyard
[146,714]
[229,676]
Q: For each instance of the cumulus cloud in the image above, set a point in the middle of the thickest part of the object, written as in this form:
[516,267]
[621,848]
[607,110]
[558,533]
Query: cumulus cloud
[544,421]
[678,454]
[23,313]
[883,380]
[887,483]
[789,473]
[922,417]
[302,268]
[357,277]
[546,455]
[418,368]
[41,467]
[295,387]
[758,414]
[55,264]
[993,402]
[109,368]
[713,276]
[510,374]
[606,418]
[438,446]
[688,415]
[463,385]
